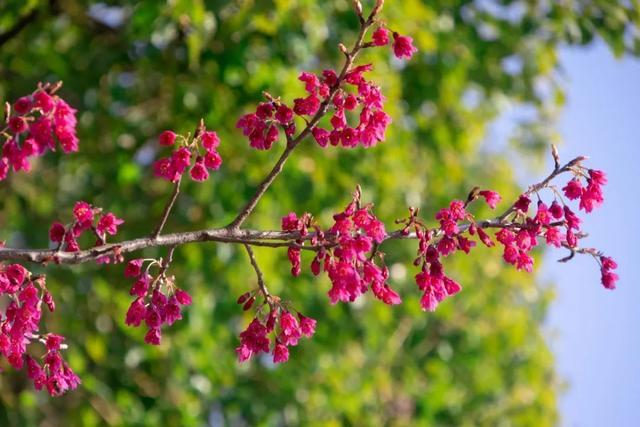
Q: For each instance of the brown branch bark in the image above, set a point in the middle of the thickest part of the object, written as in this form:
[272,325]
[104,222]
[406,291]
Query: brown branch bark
[237,236]
[273,239]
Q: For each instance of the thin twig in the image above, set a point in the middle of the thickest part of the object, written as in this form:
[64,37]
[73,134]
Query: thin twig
[261,284]
[544,183]
[167,208]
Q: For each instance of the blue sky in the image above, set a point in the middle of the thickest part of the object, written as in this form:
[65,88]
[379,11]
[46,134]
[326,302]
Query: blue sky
[594,331]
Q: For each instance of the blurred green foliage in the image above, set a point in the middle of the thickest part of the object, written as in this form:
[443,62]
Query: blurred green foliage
[135,68]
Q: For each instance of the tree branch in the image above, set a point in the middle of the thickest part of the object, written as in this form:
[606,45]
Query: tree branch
[291,145]
[167,209]
[237,236]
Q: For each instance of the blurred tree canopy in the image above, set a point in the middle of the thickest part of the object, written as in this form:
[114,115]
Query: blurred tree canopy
[135,68]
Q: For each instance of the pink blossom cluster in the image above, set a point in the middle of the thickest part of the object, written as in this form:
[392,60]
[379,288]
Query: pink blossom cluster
[287,330]
[19,329]
[158,300]
[291,222]
[557,223]
[35,124]
[402,45]
[366,103]
[352,272]
[204,147]
[590,195]
[608,277]
[520,240]
[55,374]
[85,218]
[262,127]
[431,280]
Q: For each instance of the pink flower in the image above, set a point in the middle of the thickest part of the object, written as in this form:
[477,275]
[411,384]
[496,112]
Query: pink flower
[181,159]
[290,222]
[83,213]
[306,106]
[43,101]
[23,105]
[167,138]
[183,297]
[609,279]
[280,353]
[403,46]
[573,221]
[307,325]
[212,160]
[492,198]
[556,210]
[53,342]
[136,313]
[294,257]
[428,302]
[210,140]
[465,244]
[253,340]
[591,197]
[108,223]
[484,238]
[56,232]
[18,124]
[289,324]
[141,286]
[172,311]
[310,80]
[543,216]
[573,189]
[522,204]
[380,37]
[264,110]
[199,171]
[248,123]
[608,263]
[4,168]
[598,177]
[553,237]
[133,268]
[153,337]
[321,136]
[284,114]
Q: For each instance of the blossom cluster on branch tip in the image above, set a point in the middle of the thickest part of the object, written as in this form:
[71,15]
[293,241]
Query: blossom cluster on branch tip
[348,252]
[19,330]
[285,328]
[402,45]
[86,218]
[203,146]
[158,300]
[35,124]
[364,102]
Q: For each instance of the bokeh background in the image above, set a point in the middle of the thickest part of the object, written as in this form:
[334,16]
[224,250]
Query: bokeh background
[479,105]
